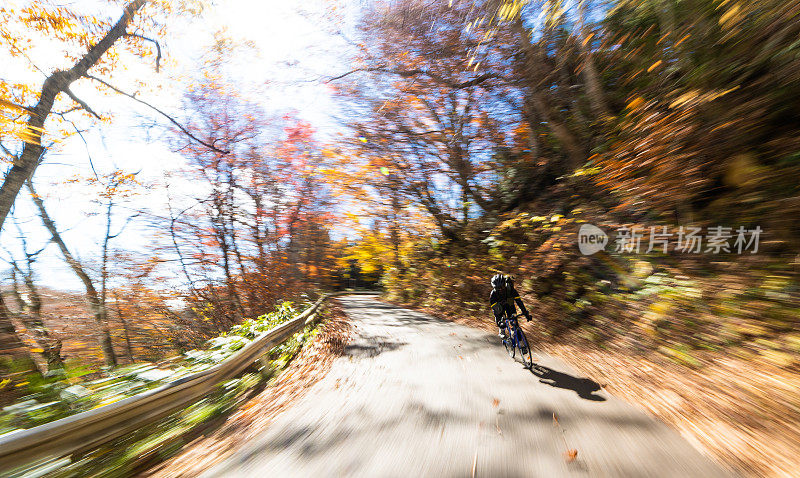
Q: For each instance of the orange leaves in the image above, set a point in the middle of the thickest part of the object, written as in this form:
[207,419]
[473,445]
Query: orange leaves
[685,37]
[116,184]
[654,66]
[570,454]
[57,23]
[636,103]
[53,20]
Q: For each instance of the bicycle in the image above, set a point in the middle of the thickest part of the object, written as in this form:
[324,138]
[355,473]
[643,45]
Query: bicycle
[515,340]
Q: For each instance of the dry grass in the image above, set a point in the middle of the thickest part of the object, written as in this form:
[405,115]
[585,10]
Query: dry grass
[742,413]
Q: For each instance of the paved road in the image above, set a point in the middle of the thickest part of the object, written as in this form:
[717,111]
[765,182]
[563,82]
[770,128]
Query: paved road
[417,396]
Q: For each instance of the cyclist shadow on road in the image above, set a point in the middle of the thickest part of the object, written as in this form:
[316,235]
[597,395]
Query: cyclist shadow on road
[584,387]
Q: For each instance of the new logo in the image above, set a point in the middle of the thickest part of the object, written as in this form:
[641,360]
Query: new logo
[591,239]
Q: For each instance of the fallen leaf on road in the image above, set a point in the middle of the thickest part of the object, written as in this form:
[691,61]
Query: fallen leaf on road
[495,402]
[570,455]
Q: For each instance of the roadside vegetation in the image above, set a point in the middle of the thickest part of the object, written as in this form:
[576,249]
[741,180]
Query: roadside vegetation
[154,443]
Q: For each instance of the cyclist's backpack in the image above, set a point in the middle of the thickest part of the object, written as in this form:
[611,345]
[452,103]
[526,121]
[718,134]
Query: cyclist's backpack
[510,292]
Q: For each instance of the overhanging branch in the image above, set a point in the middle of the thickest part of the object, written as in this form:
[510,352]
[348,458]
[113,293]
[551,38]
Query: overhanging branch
[82,103]
[155,42]
[418,72]
[162,113]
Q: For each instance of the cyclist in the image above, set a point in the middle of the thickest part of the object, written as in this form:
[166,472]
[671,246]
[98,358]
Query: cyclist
[502,301]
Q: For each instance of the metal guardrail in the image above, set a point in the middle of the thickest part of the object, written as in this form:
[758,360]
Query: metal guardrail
[87,430]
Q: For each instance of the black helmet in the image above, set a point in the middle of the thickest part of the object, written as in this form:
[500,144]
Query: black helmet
[498,281]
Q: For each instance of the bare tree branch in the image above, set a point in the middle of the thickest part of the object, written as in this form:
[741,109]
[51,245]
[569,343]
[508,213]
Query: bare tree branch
[8,153]
[81,102]
[85,143]
[162,113]
[155,42]
[419,72]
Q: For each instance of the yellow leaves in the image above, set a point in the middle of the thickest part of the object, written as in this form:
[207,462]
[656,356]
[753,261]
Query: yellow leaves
[587,39]
[61,23]
[697,97]
[654,66]
[553,11]
[714,96]
[685,98]
[682,40]
[636,103]
[13,127]
[27,134]
[730,17]
[12,106]
[509,11]
[37,350]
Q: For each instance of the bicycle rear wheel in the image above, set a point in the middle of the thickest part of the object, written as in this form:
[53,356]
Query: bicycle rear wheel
[524,349]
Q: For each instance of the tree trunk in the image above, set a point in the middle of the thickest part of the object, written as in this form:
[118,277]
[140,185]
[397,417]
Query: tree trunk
[128,346]
[56,83]
[576,156]
[92,298]
[394,231]
[30,313]
[594,90]
[573,149]
[14,355]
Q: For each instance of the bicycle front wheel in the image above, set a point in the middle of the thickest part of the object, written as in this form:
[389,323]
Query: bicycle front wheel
[508,342]
[524,349]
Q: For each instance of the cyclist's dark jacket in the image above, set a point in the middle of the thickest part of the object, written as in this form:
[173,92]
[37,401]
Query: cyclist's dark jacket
[502,300]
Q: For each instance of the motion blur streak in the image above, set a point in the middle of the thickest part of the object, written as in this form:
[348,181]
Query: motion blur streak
[419,396]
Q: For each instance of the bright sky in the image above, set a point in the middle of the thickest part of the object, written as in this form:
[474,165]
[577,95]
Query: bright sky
[294,45]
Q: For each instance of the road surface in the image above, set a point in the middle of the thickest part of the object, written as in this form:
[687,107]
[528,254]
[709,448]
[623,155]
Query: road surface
[417,396]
